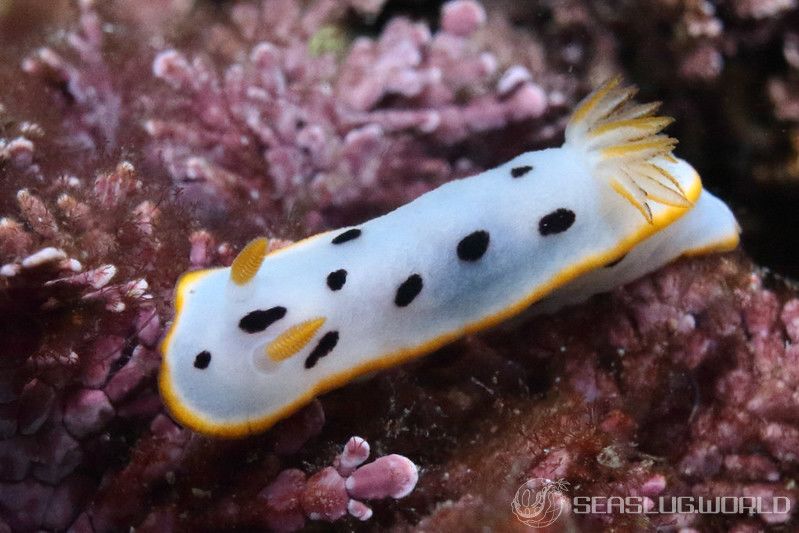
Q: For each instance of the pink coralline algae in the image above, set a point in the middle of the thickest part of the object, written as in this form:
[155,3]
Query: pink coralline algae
[284,504]
[62,386]
[141,140]
[290,118]
[88,98]
[335,491]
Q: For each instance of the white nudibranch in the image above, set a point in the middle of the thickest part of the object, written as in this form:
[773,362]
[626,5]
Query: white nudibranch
[252,343]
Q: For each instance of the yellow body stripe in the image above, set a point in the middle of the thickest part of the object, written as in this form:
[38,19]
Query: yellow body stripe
[728,243]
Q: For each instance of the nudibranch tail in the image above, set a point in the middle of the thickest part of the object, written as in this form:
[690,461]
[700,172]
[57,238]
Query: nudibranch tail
[249,260]
[625,146]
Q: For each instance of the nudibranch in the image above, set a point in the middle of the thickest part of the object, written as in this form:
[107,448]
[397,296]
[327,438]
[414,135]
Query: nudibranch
[252,343]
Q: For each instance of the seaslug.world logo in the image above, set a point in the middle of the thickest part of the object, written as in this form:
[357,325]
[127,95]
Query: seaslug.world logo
[539,502]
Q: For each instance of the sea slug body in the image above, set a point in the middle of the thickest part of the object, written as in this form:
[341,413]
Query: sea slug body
[252,343]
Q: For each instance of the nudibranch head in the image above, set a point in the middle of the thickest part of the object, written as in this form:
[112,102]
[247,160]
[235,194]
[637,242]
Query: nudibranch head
[225,339]
[623,142]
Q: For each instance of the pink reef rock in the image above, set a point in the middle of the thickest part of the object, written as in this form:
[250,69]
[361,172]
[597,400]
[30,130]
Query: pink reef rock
[139,140]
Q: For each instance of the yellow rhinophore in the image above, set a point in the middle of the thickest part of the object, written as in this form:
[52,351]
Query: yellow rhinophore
[293,339]
[249,260]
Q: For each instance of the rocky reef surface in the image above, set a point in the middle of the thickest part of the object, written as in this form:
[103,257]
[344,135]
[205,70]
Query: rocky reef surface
[140,142]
